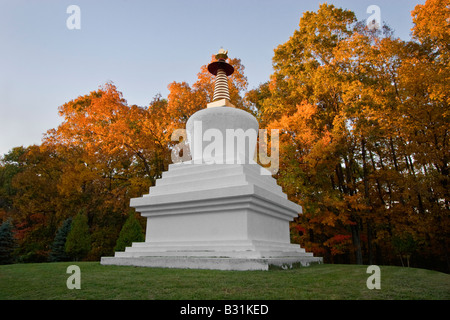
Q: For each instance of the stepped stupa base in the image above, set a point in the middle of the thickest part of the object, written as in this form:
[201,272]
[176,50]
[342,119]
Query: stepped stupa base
[226,217]
[212,263]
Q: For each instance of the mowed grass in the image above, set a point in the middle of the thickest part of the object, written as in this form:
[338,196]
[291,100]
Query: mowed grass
[48,281]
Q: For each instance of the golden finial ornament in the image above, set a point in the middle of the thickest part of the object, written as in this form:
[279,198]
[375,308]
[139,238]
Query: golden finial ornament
[221,69]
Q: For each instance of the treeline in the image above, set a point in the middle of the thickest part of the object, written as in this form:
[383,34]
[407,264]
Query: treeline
[363,119]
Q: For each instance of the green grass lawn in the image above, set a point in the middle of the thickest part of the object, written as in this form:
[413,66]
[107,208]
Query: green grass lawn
[48,281]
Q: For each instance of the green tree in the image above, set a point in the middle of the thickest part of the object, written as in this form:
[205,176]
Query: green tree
[404,245]
[78,241]
[7,243]
[131,232]
[58,251]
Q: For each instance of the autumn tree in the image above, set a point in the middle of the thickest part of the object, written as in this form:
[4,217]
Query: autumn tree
[35,203]
[425,80]
[111,153]
[106,129]
[306,103]
[362,135]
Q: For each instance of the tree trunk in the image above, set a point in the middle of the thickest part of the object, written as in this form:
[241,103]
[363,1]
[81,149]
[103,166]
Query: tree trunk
[357,243]
[369,242]
[367,198]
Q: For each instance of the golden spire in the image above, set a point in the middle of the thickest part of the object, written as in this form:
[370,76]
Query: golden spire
[221,69]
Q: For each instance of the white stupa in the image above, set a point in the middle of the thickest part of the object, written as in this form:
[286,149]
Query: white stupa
[219,210]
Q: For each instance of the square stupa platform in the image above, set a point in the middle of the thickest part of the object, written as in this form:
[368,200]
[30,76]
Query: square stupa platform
[215,216]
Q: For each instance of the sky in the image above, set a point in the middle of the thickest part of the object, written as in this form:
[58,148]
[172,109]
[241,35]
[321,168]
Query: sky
[141,46]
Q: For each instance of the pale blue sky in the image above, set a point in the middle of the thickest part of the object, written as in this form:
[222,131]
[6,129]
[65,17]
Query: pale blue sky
[141,46]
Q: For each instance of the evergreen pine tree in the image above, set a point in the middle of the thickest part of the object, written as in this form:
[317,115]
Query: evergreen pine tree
[131,232]
[7,243]
[78,242]
[58,250]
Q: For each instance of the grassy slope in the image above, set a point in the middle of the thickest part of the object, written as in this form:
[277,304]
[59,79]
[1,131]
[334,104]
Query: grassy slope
[48,281]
